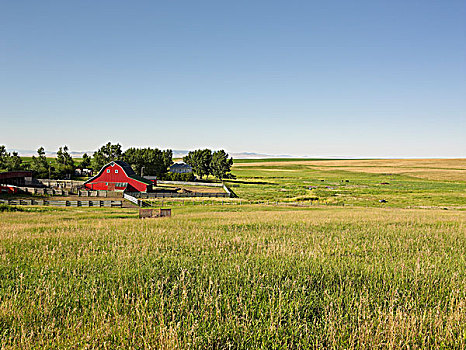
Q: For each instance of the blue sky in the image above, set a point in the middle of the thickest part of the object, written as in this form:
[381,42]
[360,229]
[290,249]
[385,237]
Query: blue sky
[317,78]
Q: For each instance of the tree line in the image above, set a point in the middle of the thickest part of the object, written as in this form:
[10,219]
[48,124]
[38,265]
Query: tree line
[205,162]
[147,161]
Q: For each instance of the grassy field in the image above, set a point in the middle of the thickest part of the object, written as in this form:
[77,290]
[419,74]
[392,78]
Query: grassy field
[402,183]
[247,276]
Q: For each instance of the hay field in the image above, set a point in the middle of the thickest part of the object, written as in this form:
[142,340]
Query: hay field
[431,169]
[355,278]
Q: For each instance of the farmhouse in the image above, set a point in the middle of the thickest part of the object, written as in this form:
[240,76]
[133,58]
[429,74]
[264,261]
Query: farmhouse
[181,168]
[118,176]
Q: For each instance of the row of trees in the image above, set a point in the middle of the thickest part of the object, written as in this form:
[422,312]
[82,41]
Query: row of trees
[63,167]
[205,162]
[149,161]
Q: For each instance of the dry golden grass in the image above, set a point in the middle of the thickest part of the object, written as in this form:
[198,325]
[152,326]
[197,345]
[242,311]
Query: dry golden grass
[432,169]
[459,163]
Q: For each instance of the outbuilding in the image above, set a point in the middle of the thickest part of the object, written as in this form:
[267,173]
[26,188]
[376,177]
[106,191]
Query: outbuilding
[181,168]
[118,176]
[16,178]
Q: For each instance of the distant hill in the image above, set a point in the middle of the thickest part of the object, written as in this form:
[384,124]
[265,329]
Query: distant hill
[181,154]
[176,154]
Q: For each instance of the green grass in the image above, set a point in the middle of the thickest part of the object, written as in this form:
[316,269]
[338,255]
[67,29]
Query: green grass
[367,275]
[51,160]
[206,278]
[9,208]
[291,182]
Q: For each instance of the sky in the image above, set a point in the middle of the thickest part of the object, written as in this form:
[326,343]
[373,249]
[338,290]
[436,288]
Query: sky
[304,78]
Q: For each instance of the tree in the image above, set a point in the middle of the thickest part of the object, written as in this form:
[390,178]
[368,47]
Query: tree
[167,158]
[220,166]
[86,162]
[65,163]
[3,157]
[14,162]
[199,161]
[39,165]
[153,160]
[105,155]
[10,162]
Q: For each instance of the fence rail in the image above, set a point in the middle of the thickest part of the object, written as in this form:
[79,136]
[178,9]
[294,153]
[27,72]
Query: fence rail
[131,198]
[62,203]
[61,183]
[179,195]
[63,192]
[188,183]
[134,200]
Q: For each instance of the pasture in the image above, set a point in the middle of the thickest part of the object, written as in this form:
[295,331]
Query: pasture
[362,275]
[409,183]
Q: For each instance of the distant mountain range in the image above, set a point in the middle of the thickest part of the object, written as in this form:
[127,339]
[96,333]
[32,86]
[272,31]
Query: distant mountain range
[176,154]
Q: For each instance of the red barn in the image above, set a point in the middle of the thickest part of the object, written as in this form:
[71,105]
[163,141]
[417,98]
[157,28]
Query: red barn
[118,175]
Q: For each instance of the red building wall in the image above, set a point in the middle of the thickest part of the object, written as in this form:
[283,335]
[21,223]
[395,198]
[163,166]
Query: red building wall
[8,189]
[114,174]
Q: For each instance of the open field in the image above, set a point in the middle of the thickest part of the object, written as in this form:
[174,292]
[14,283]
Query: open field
[257,277]
[402,183]
[431,169]
[360,276]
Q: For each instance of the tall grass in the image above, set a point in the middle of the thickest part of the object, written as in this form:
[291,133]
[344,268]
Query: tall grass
[318,278]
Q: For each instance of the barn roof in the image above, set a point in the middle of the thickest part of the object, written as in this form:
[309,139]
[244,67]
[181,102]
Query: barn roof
[141,179]
[15,174]
[126,168]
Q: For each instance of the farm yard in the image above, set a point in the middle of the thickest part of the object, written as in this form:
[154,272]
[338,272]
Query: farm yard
[342,270]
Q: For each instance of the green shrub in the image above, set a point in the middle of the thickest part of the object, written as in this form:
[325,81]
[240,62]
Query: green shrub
[9,208]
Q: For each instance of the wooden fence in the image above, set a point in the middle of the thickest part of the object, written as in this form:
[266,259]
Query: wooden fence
[228,192]
[96,203]
[176,202]
[88,193]
[179,195]
[133,199]
[61,183]
[154,213]
[188,183]
[63,192]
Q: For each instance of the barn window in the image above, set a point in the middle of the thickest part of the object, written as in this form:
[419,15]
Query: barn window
[108,170]
[116,171]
